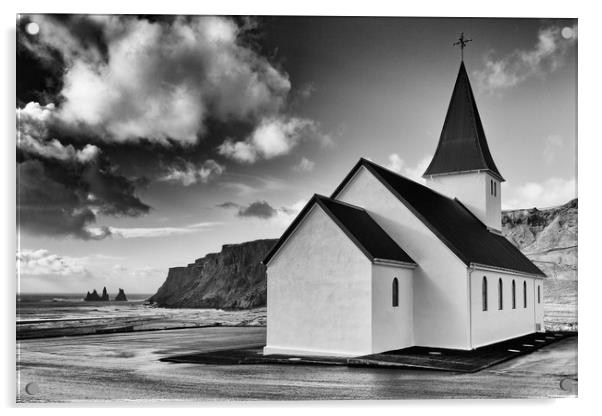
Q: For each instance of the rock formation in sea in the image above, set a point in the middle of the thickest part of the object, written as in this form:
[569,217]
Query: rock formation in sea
[235,279]
[92,296]
[121,296]
[230,279]
[95,297]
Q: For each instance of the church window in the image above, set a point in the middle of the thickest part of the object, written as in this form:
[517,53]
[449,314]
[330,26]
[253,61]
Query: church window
[484,293]
[513,294]
[491,187]
[494,188]
[524,294]
[395,292]
[500,294]
[538,294]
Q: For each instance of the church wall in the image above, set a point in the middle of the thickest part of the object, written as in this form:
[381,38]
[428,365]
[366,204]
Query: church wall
[473,190]
[494,325]
[319,293]
[441,305]
[392,327]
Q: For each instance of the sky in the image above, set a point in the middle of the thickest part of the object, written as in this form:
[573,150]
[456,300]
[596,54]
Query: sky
[146,142]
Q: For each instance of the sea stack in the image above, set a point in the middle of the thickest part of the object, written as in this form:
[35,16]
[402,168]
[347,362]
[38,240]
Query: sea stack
[121,296]
[105,295]
[92,296]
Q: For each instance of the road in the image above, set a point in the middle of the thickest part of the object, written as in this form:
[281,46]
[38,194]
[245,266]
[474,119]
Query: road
[127,367]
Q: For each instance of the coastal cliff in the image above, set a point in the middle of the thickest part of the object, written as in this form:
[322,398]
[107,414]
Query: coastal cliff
[235,279]
[230,279]
[548,237]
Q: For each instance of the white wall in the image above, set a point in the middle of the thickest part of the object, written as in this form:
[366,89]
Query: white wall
[441,307]
[473,190]
[495,325]
[319,292]
[392,327]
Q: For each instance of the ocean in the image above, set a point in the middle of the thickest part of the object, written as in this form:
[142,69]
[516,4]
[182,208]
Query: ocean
[50,315]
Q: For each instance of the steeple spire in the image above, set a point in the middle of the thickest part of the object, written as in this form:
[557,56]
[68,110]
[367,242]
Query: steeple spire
[462,145]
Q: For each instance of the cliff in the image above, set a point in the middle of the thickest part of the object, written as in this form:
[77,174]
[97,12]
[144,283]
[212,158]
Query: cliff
[548,237]
[234,278]
[230,279]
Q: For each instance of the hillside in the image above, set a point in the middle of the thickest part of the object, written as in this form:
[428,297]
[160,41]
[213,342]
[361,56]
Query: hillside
[235,279]
[548,237]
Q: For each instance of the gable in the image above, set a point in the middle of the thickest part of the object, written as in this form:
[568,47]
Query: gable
[453,224]
[357,225]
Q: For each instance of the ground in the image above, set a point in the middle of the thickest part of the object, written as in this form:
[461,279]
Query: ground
[127,367]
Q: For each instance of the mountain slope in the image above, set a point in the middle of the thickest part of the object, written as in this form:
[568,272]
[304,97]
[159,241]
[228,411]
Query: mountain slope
[548,237]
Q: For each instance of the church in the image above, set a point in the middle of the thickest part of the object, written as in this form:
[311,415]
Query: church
[386,263]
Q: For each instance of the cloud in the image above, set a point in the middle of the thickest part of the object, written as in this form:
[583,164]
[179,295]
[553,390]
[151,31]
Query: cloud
[552,144]
[546,56]
[42,262]
[152,232]
[264,211]
[397,164]
[159,80]
[188,174]
[306,90]
[258,209]
[273,137]
[60,188]
[228,205]
[552,192]
[305,165]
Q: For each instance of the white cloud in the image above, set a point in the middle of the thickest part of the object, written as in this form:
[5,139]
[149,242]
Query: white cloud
[552,192]
[152,232]
[553,143]
[271,138]
[161,80]
[305,165]
[42,262]
[32,132]
[397,164]
[546,56]
[190,174]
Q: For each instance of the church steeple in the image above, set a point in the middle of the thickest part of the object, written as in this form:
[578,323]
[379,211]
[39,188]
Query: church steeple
[462,166]
[462,145]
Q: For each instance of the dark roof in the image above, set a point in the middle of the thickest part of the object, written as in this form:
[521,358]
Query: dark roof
[462,145]
[367,235]
[451,222]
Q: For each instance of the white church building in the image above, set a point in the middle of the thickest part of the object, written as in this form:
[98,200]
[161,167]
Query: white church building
[386,263]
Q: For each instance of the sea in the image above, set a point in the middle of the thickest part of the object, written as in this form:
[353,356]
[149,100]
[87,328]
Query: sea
[49,315]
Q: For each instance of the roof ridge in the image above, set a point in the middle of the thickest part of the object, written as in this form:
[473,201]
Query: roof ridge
[408,179]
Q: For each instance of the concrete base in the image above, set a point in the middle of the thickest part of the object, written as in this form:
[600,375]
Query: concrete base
[269,350]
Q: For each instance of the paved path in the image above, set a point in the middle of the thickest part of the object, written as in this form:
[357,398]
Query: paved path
[127,367]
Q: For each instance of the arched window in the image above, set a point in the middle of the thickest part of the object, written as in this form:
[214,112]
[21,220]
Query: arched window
[494,188]
[491,187]
[513,294]
[524,294]
[395,292]
[538,294]
[500,294]
[484,293]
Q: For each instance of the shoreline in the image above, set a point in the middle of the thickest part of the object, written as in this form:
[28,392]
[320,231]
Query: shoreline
[126,329]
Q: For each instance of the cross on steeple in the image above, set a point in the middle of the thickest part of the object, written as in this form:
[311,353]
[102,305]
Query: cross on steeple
[462,42]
